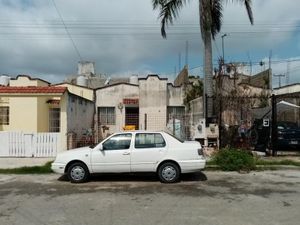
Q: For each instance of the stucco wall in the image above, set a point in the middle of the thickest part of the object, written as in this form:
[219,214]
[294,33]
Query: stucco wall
[23,114]
[26,81]
[80,115]
[42,114]
[175,95]
[80,91]
[153,102]
[111,97]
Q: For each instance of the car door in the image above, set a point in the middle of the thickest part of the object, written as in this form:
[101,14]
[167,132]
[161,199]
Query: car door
[148,150]
[113,155]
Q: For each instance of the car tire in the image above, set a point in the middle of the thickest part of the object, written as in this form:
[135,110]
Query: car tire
[78,173]
[168,172]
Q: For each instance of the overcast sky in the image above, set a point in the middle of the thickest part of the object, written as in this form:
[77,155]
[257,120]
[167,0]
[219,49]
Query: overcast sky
[123,37]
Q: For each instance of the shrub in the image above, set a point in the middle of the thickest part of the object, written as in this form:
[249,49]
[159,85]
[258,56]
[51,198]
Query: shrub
[230,159]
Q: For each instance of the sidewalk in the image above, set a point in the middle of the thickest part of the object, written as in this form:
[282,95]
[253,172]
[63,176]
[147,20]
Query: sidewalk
[8,163]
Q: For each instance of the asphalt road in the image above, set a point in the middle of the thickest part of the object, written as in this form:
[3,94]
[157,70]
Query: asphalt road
[209,198]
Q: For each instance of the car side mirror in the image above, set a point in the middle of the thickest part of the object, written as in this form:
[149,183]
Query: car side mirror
[101,148]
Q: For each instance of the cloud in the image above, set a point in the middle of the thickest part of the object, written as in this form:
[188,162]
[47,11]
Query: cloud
[123,37]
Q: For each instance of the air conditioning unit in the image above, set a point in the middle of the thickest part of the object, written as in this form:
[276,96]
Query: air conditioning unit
[199,130]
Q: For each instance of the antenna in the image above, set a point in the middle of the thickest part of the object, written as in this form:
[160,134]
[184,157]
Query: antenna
[287,78]
[179,61]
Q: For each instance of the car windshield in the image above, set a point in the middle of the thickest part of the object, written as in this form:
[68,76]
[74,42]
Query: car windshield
[177,138]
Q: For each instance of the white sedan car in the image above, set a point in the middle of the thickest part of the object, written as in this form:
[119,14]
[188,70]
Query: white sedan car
[130,152]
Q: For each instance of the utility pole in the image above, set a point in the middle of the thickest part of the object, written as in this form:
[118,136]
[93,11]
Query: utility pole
[279,77]
[187,53]
[224,35]
[270,70]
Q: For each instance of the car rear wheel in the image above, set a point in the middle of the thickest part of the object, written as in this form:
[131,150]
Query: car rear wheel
[78,173]
[168,173]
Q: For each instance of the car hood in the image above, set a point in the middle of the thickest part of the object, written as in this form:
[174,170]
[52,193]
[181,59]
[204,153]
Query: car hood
[73,154]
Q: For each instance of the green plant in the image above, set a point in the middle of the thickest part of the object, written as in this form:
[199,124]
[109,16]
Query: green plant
[230,159]
[29,170]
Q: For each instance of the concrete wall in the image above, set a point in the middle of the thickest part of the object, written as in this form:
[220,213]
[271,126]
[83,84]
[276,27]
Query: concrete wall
[80,115]
[289,89]
[153,102]
[175,95]
[112,96]
[22,81]
[80,91]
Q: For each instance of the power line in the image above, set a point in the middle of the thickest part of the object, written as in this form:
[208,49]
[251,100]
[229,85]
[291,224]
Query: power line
[62,20]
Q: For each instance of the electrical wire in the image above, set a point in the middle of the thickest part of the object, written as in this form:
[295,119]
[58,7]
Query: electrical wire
[67,31]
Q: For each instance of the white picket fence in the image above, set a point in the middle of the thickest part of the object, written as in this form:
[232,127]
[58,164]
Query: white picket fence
[19,144]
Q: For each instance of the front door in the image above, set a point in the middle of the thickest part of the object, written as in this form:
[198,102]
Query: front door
[132,117]
[114,156]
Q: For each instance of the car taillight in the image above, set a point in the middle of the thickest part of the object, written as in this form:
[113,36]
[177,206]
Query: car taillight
[200,151]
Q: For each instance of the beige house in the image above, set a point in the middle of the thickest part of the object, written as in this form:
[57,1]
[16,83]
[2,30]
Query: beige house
[149,103]
[32,106]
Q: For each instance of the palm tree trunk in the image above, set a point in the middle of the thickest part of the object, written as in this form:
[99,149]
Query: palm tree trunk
[208,72]
[205,27]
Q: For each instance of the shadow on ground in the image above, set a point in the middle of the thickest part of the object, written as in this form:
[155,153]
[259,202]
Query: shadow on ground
[138,177]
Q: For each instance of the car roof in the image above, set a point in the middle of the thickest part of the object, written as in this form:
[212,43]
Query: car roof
[139,131]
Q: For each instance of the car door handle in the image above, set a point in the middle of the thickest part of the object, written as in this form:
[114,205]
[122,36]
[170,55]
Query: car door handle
[126,153]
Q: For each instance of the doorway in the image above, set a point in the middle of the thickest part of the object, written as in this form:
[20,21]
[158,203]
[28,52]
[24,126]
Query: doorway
[132,117]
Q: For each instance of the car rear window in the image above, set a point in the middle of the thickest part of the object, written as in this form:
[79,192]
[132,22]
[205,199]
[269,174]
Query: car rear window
[177,138]
[149,140]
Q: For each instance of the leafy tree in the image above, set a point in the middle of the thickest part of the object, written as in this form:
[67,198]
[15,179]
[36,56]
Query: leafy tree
[193,92]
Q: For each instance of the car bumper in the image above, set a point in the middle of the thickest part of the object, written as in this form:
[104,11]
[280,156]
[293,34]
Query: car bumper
[58,167]
[191,166]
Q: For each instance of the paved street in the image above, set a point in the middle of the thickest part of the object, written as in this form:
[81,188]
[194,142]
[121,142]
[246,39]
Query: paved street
[215,198]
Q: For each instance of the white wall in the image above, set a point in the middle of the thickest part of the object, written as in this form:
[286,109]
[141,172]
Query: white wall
[175,95]
[153,102]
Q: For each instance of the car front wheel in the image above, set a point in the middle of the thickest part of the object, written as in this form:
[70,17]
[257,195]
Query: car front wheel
[168,173]
[78,173]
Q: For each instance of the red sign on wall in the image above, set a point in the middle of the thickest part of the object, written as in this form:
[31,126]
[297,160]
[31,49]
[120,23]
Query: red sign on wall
[130,101]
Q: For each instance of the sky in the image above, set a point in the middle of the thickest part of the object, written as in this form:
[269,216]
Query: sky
[47,38]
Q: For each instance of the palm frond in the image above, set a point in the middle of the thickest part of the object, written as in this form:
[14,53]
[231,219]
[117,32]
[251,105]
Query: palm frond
[248,4]
[216,17]
[169,10]
[205,17]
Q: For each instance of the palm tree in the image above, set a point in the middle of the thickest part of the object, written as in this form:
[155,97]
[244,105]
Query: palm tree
[210,16]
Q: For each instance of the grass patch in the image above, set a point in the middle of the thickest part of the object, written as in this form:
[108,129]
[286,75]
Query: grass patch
[285,162]
[29,169]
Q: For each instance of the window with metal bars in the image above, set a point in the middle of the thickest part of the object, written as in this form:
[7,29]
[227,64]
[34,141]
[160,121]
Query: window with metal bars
[175,112]
[4,115]
[54,120]
[106,116]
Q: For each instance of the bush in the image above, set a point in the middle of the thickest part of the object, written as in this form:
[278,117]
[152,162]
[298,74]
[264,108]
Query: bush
[230,159]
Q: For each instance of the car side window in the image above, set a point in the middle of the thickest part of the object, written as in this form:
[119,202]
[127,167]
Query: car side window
[117,142]
[149,140]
